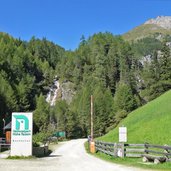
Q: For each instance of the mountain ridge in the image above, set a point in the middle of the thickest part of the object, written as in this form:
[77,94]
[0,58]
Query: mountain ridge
[162,21]
[159,26]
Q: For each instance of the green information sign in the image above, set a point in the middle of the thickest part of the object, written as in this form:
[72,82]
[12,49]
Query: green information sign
[59,134]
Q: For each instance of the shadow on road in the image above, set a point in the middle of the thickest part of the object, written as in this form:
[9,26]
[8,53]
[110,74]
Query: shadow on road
[55,155]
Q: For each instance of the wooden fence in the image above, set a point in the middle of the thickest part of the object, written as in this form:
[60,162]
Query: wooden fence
[134,150]
[147,151]
[2,140]
[4,145]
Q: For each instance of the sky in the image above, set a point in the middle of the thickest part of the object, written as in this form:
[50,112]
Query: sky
[65,21]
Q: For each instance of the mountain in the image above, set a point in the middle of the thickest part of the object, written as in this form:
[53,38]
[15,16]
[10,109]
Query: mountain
[114,71]
[162,21]
[154,27]
[150,123]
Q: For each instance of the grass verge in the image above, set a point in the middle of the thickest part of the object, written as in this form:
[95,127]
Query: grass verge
[133,162]
[21,157]
[149,123]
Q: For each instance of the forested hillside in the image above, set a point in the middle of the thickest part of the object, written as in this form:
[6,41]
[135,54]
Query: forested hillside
[121,76]
[26,70]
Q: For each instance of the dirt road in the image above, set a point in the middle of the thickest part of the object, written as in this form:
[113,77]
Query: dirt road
[70,156]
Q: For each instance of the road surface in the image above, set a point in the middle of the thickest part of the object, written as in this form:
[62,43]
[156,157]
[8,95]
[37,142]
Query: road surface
[70,156]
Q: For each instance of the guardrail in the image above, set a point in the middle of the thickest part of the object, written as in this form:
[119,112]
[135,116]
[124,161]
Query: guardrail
[149,152]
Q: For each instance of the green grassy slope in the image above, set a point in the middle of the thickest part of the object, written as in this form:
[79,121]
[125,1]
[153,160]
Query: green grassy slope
[144,30]
[150,123]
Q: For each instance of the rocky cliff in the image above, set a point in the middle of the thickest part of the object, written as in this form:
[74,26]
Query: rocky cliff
[60,91]
[162,21]
[157,27]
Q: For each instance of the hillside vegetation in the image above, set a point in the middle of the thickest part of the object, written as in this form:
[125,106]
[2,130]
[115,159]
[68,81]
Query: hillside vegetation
[145,30]
[118,75]
[150,123]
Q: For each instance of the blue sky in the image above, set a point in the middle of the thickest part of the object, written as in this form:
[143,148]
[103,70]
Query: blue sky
[65,21]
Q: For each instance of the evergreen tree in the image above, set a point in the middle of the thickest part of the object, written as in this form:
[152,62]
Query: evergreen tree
[165,66]
[61,110]
[103,105]
[124,99]
[41,114]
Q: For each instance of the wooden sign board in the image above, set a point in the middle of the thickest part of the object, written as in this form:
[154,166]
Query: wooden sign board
[122,134]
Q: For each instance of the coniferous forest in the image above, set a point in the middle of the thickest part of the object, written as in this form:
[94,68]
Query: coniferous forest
[120,75]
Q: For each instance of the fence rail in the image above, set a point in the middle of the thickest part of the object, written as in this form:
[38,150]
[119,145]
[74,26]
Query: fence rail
[134,150]
[106,148]
[150,151]
[3,144]
[2,140]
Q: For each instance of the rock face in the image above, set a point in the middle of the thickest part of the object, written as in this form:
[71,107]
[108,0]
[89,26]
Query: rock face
[67,91]
[64,91]
[162,21]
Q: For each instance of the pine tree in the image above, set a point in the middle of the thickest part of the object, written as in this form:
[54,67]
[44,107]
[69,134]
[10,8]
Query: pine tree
[41,114]
[124,98]
[165,66]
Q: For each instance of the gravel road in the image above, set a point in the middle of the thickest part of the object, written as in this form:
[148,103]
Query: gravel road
[70,156]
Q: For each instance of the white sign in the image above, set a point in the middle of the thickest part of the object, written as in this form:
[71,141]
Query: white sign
[21,134]
[122,134]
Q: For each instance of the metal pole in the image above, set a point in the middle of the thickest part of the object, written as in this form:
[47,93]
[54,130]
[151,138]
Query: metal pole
[92,136]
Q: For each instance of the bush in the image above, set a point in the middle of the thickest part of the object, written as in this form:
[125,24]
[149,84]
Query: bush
[40,137]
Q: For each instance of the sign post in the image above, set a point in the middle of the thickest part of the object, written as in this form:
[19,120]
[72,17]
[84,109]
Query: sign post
[21,134]
[92,124]
[122,140]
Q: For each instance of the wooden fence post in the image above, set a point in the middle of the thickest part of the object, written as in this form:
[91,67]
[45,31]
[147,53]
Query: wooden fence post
[146,148]
[115,149]
[122,150]
[167,151]
[145,159]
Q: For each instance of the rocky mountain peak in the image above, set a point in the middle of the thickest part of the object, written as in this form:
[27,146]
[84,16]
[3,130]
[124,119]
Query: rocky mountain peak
[162,21]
